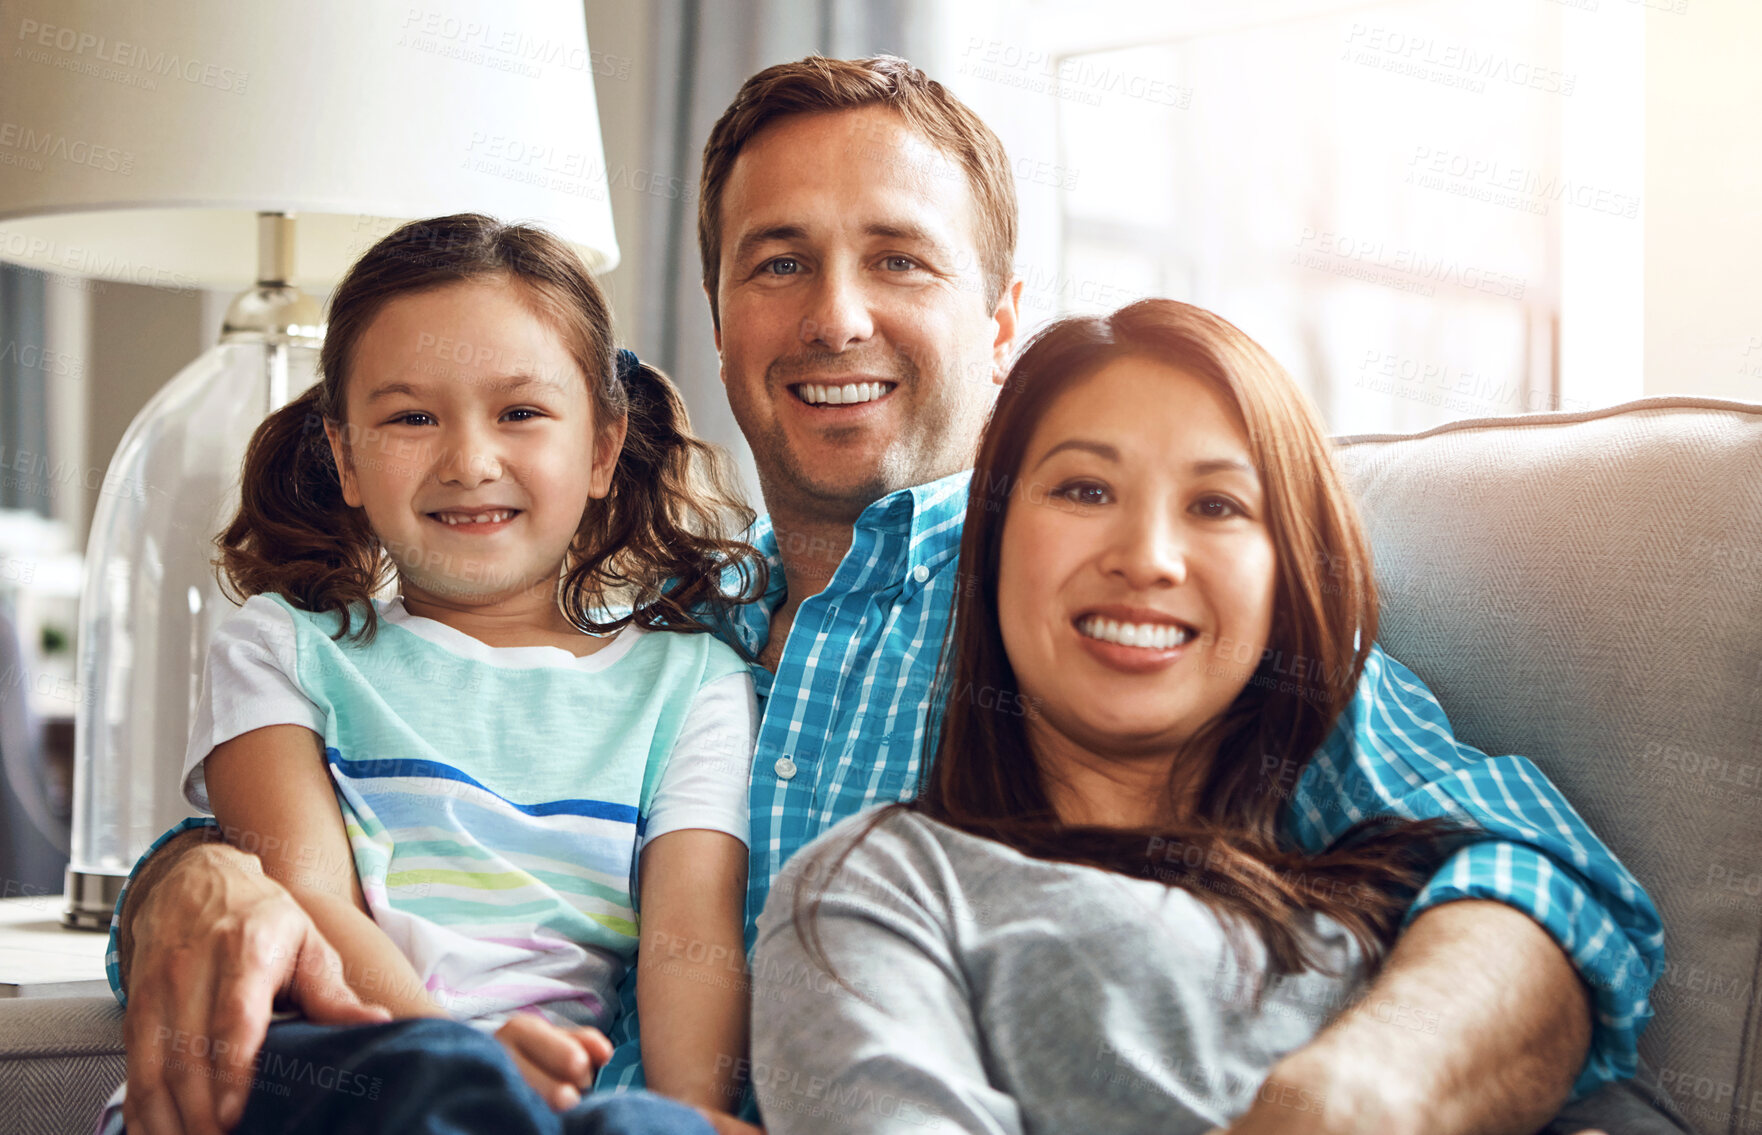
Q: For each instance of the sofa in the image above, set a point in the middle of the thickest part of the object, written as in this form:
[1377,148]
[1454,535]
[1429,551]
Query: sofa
[1581,588]
[1586,589]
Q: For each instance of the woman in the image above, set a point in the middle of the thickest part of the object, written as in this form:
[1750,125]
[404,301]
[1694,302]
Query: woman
[1087,920]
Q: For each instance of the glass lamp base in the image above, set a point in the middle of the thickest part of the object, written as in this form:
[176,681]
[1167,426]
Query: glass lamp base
[151,603]
[91,897]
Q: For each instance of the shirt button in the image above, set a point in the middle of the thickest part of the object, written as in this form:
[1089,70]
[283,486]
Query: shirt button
[785,768]
[920,573]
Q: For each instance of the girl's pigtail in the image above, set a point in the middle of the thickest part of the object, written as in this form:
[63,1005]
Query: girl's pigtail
[294,535]
[666,539]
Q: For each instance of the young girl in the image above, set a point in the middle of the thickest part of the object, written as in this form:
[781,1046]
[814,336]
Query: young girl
[519,770]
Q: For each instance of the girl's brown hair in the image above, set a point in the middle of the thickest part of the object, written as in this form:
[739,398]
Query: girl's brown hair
[658,541]
[980,775]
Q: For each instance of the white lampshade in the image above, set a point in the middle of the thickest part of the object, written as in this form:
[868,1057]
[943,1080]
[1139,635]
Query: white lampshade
[139,141]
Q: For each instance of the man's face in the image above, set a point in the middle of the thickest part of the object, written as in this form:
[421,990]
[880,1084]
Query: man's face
[859,349]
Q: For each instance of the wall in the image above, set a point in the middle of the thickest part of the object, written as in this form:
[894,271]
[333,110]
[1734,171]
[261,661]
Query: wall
[1703,198]
[140,338]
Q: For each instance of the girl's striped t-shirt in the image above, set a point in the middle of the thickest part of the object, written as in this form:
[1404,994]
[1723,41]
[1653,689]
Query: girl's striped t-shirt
[496,799]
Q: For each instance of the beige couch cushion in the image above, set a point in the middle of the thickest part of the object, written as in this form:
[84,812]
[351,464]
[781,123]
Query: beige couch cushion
[60,1058]
[1586,590]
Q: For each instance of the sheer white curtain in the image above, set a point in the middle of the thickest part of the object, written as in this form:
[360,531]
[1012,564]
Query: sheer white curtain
[1426,209]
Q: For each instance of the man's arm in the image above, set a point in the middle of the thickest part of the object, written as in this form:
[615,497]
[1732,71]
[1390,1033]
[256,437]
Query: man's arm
[153,866]
[1394,753]
[1476,1025]
[207,943]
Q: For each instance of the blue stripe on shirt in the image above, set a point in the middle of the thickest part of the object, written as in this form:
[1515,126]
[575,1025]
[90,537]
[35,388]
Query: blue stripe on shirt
[359,770]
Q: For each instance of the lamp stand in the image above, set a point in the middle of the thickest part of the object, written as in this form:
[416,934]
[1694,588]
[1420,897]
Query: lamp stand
[151,601]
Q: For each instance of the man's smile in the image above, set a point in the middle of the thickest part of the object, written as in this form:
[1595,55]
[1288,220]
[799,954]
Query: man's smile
[841,394]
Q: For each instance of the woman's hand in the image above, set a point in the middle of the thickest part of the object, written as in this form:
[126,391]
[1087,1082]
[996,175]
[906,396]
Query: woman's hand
[559,1063]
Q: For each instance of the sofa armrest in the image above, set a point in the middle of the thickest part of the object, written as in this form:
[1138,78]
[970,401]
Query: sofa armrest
[60,1058]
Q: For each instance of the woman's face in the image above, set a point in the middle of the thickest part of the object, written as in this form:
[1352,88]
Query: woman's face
[1135,589]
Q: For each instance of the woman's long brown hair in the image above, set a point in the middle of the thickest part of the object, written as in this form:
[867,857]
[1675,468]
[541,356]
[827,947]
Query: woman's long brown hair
[980,775]
[660,540]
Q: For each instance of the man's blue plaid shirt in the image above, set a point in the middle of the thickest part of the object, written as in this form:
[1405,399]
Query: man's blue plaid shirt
[844,717]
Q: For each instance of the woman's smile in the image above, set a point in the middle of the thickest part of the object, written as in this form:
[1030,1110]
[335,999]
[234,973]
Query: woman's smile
[1133,639]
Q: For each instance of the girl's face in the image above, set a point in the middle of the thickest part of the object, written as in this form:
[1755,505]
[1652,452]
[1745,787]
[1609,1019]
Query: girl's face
[1135,587]
[470,442]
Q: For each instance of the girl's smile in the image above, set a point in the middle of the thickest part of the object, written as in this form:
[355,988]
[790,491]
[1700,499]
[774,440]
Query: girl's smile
[475,521]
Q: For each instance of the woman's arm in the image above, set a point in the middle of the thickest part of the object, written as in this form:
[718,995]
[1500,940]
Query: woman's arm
[691,967]
[269,788]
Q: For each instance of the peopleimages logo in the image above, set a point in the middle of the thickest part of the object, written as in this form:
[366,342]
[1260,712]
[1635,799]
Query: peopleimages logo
[50,256]
[39,144]
[504,47]
[1405,269]
[1070,77]
[33,472]
[1452,64]
[131,62]
[1512,186]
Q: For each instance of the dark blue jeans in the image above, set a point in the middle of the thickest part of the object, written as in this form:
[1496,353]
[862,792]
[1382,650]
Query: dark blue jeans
[431,1077]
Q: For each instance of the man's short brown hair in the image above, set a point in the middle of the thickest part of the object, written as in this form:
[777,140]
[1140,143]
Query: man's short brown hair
[817,84]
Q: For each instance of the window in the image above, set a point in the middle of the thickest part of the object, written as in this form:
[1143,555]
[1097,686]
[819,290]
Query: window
[1427,210]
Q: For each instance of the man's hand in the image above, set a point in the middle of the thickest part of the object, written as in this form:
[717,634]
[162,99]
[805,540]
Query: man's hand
[1339,1094]
[209,944]
[1476,1024]
[1303,1096]
[559,1063]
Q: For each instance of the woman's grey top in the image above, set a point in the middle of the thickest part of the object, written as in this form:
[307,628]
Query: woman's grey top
[992,992]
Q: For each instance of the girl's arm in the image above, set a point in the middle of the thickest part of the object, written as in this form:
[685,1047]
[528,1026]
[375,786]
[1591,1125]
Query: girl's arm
[691,977]
[272,794]
[270,789]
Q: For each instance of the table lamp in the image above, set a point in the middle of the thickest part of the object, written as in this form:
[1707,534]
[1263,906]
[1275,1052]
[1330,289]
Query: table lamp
[209,143]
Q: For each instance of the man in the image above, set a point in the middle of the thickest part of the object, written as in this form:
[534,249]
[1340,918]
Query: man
[857,226]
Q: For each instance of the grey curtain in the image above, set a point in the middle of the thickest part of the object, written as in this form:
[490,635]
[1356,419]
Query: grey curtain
[33,836]
[24,388]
